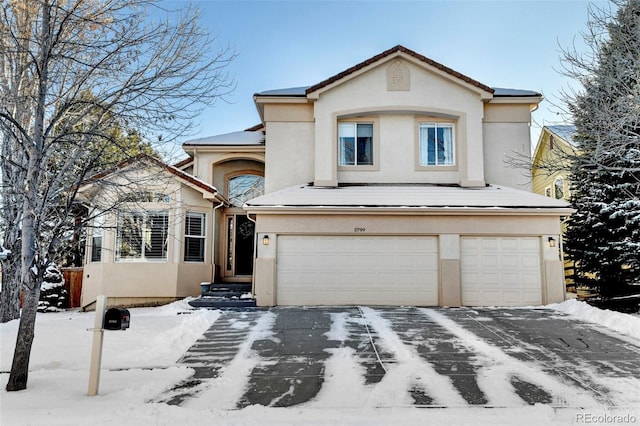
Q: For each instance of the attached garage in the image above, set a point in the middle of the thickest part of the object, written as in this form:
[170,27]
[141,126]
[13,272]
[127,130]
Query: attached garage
[501,271]
[357,270]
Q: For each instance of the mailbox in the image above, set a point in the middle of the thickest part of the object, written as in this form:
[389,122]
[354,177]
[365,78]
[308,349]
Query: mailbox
[116,319]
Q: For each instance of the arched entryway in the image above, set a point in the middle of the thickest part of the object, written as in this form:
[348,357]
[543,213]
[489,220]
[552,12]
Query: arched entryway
[239,230]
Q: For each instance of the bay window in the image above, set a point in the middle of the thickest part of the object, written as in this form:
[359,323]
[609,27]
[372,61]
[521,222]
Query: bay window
[142,236]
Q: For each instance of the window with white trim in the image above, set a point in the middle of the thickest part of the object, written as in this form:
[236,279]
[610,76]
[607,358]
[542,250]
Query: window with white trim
[436,144]
[355,144]
[142,236]
[96,239]
[558,188]
[194,237]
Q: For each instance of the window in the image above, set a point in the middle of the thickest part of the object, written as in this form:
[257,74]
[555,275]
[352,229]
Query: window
[194,237]
[547,191]
[558,187]
[142,236]
[551,140]
[355,144]
[436,144]
[96,239]
[245,187]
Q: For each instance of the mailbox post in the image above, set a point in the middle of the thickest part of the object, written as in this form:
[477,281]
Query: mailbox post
[112,319]
[96,347]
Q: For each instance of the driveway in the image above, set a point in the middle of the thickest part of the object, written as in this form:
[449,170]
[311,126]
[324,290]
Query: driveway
[400,356]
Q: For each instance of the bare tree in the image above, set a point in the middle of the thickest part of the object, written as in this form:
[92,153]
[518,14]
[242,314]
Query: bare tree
[145,67]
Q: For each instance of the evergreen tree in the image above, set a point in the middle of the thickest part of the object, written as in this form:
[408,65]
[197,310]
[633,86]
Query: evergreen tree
[603,236]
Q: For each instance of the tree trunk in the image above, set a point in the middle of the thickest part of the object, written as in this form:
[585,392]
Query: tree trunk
[22,353]
[10,297]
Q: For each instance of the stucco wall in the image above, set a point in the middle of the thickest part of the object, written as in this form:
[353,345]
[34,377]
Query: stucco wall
[507,154]
[289,154]
[429,95]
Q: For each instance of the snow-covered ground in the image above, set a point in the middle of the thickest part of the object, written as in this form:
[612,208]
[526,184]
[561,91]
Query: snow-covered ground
[140,363]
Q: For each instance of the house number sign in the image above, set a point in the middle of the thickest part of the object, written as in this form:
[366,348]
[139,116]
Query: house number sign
[359,229]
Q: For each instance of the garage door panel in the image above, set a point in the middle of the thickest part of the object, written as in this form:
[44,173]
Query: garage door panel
[364,270]
[500,271]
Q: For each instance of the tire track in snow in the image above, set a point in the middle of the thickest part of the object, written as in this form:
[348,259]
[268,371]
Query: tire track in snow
[499,368]
[409,372]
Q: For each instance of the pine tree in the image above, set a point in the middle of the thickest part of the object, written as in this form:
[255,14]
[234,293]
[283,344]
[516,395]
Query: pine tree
[603,236]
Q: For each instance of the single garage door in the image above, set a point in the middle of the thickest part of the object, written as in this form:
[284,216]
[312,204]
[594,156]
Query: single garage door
[357,270]
[500,271]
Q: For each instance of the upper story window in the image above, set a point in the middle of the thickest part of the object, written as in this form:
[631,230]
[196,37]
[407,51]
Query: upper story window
[355,144]
[436,144]
[142,236]
[242,188]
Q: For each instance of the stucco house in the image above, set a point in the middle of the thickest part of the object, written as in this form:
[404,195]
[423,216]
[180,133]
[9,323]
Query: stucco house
[386,184]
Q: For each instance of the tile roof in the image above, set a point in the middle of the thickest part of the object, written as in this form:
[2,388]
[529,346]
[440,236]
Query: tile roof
[390,52]
[408,195]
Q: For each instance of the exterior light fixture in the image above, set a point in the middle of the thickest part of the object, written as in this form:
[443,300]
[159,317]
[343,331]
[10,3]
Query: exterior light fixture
[552,242]
[265,240]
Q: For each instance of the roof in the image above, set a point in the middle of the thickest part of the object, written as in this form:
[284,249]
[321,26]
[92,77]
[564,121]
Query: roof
[422,196]
[186,178]
[392,51]
[302,91]
[244,138]
[564,131]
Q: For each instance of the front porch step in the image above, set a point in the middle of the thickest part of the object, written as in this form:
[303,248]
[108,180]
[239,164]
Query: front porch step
[225,295]
[209,302]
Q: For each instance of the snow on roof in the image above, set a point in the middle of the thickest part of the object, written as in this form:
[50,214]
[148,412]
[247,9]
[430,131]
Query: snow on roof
[425,196]
[234,138]
[301,91]
[502,92]
[290,91]
[565,131]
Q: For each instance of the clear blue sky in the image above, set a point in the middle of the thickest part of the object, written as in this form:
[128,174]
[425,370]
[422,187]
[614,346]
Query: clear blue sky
[512,44]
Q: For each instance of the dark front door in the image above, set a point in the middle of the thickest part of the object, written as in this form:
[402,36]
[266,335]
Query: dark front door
[240,246]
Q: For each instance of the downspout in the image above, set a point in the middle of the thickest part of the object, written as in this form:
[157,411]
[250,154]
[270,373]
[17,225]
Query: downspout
[213,237]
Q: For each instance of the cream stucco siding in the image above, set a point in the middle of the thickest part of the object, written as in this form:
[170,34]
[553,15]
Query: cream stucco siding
[507,154]
[430,95]
[289,155]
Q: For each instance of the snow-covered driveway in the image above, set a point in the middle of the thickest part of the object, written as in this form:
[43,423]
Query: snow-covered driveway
[398,357]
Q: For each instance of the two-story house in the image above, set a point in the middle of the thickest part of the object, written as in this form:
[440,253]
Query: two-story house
[386,184]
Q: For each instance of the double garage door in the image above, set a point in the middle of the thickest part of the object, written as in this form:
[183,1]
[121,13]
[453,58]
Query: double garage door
[393,270]
[357,270]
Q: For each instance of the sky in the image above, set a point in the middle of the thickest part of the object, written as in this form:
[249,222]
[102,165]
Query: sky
[510,44]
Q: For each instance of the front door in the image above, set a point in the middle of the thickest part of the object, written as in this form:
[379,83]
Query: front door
[239,247]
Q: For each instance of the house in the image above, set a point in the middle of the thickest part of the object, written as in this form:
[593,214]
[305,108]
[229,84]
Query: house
[550,163]
[386,184]
[550,169]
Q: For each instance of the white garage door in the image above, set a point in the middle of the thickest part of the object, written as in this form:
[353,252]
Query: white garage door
[500,271]
[357,270]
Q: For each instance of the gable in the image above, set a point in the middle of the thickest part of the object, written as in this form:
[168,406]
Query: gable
[399,56]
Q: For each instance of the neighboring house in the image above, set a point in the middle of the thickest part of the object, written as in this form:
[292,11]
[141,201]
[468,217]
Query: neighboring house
[551,163]
[550,168]
[386,184]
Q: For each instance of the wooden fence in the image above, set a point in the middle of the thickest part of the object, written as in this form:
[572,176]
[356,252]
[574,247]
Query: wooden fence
[73,284]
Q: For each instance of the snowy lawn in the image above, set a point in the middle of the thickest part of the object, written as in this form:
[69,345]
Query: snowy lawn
[140,363]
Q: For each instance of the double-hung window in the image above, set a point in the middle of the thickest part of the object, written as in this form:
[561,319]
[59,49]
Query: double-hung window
[436,144]
[355,144]
[194,237]
[142,236]
[96,239]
